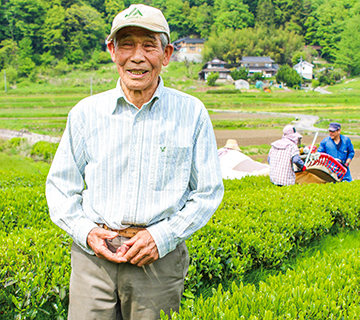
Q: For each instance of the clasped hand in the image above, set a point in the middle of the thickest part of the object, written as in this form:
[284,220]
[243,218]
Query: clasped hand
[140,250]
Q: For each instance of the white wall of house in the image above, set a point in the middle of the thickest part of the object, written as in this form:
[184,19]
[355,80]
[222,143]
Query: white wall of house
[305,69]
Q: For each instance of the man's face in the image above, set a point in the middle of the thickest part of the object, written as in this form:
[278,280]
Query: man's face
[334,134]
[139,57]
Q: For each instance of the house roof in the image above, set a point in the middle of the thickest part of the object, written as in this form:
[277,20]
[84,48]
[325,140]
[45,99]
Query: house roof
[189,40]
[256,59]
[216,70]
[304,62]
[262,69]
[216,61]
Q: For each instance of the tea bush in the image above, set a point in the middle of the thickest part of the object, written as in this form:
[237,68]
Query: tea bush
[257,224]
[320,287]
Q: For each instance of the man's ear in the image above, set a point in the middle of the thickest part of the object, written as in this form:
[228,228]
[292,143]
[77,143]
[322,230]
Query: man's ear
[168,50]
[111,48]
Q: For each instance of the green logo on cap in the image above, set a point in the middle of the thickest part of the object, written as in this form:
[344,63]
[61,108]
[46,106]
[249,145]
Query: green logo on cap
[134,12]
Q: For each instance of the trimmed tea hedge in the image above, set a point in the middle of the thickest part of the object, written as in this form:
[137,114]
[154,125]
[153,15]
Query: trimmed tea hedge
[257,224]
[321,287]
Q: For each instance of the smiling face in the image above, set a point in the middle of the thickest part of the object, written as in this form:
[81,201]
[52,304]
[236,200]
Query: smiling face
[139,57]
[335,135]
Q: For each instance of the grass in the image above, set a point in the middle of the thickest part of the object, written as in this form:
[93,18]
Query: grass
[54,96]
[273,123]
[22,165]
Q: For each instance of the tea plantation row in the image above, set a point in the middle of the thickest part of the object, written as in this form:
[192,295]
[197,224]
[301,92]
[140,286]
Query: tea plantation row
[257,224]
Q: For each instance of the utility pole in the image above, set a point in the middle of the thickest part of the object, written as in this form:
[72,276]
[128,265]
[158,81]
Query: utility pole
[5,81]
[301,71]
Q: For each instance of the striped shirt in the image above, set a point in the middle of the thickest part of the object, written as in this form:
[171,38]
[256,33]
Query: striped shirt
[281,164]
[155,167]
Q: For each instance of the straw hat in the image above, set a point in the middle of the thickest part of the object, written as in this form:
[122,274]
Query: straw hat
[232,144]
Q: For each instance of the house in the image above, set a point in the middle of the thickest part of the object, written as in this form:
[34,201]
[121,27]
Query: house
[264,65]
[188,49]
[215,65]
[304,69]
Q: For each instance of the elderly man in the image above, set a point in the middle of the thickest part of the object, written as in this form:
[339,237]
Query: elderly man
[135,174]
[282,155]
[339,147]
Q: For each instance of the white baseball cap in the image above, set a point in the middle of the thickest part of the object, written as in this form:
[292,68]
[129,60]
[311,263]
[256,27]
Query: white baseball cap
[140,15]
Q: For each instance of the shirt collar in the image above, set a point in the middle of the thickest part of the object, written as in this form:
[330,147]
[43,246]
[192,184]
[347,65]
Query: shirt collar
[119,94]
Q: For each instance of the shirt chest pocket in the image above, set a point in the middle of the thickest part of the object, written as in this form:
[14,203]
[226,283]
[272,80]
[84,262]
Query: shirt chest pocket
[170,169]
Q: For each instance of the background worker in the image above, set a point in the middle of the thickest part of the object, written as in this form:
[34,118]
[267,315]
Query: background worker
[339,147]
[135,174]
[282,155]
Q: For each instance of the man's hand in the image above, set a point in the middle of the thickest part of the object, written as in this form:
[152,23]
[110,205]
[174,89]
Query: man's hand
[96,241]
[143,249]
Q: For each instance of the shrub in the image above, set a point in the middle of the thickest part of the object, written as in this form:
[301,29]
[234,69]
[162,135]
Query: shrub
[211,78]
[288,76]
[328,76]
[11,74]
[315,83]
[104,57]
[14,145]
[241,73]
[257,76]
[44,151]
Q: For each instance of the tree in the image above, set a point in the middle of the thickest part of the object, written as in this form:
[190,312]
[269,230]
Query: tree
[203,20]
[26,64]
[288,76]
[8,53]
[24,19]
[84,32]
[265,14]
[232,14]
[231,45]
[177,13]
[52,31]
[348,53]
[112,8]
[240,73]
[306,55]
[326,23]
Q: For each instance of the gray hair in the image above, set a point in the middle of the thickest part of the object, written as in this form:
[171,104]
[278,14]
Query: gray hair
[163,38]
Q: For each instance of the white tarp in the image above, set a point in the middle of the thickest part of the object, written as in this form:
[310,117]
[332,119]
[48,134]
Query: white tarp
[241,84]
[236,165]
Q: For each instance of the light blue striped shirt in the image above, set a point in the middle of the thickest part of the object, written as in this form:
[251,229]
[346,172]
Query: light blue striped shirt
[156,167]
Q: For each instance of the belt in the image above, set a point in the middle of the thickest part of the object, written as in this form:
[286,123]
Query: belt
[128,232]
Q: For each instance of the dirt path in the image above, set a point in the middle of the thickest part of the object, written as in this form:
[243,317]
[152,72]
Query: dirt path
[243,137]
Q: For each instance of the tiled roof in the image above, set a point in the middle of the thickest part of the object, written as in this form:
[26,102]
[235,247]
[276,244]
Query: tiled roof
[216,61]
[216,70]
[304,62]
[189,40]
[256,59]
